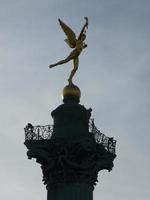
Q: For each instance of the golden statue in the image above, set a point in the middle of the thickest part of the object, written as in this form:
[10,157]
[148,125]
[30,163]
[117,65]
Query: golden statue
[78,45]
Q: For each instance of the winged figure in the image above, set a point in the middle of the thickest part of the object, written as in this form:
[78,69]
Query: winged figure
[73,42]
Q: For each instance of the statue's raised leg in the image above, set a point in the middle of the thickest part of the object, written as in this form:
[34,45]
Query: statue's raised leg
[71,56]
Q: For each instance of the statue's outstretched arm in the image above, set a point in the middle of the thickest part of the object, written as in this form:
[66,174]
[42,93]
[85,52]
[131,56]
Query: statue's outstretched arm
[84,27]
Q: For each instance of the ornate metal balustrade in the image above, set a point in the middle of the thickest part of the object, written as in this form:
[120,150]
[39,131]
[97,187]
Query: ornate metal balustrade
[45,133]
[108,142]
[38,132]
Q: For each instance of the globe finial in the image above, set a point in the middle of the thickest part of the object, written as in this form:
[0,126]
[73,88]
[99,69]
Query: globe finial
[71,93]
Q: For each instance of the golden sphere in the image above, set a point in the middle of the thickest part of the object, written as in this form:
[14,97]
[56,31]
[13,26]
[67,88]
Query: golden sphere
[71,91]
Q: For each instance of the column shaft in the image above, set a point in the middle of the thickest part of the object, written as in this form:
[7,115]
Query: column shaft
[71,191]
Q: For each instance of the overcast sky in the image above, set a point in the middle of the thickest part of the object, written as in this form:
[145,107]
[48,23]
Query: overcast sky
[114,78]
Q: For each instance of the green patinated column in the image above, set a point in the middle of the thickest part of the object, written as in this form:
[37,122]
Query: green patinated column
[72,155]
[72,191]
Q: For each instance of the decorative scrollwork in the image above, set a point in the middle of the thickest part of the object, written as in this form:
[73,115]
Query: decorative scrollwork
[45,133]
[108,142]
[38,132]
[66,160]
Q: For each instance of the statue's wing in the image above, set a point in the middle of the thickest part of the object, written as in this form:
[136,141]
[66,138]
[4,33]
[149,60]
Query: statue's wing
[71,37]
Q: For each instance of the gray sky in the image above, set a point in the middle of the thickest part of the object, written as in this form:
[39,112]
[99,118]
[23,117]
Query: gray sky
[113,77]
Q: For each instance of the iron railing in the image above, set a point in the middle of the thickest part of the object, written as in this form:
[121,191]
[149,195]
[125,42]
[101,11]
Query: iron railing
[38,132]
[108,142]
[45,133]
